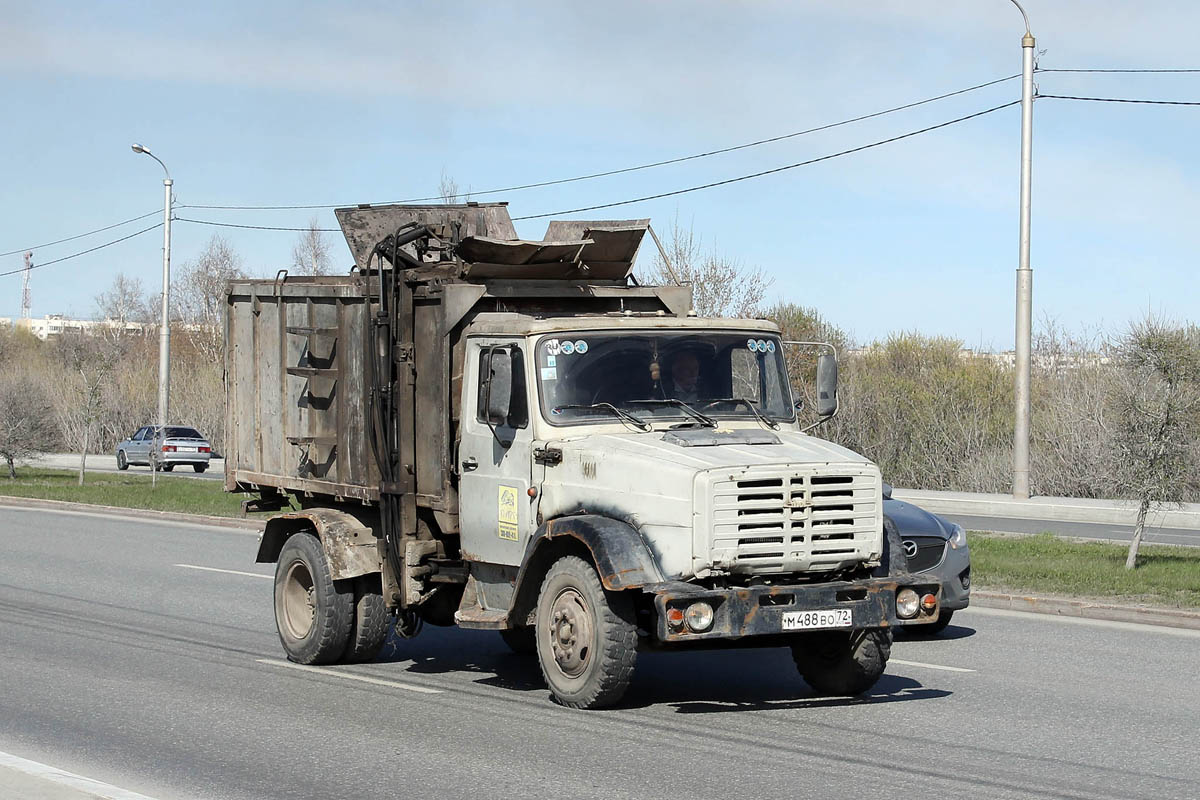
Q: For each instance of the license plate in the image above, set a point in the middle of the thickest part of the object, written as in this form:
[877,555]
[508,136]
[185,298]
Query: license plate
[821,618]
[186,449]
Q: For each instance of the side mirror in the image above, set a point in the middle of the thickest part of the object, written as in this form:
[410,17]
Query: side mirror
[887,491]
[827,379]
[498,394]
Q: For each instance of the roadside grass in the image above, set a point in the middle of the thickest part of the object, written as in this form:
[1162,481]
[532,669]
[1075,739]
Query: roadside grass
[1048,564]
[125,490]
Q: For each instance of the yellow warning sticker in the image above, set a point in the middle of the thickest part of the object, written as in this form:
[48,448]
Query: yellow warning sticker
[508,513]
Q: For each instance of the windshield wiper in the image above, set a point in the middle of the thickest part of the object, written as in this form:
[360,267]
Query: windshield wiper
[625,415]
[703,419]
[766,420]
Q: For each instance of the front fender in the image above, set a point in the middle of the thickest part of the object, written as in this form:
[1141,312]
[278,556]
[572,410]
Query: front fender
[622,557]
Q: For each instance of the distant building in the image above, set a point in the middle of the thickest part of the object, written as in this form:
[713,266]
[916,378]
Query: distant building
[56,324]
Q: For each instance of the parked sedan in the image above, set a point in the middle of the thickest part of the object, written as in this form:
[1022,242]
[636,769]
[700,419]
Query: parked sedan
[935,546]
[178,445]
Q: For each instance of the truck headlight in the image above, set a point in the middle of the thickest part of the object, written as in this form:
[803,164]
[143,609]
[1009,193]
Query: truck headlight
[907,604]
[958,537]
[699,616]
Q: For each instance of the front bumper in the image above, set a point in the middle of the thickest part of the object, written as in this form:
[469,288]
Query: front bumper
[758,610]
[955,574]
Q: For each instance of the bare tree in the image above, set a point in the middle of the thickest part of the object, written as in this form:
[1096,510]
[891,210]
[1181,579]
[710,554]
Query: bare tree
[125,301]
[1157,417]
[201,295]
[87,362]
[310,254]
[722,286]
[26,416]
[448,189]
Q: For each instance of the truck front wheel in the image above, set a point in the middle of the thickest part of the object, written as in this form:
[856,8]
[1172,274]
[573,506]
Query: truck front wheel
[842,663]
[313,613]
[586,637]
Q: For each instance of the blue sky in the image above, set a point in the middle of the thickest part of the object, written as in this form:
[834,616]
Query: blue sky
[298,103]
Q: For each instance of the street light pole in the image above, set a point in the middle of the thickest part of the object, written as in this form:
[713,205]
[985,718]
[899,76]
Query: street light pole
[1024,332]
[164,334]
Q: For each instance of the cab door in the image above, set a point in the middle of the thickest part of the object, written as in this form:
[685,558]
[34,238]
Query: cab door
[495,453]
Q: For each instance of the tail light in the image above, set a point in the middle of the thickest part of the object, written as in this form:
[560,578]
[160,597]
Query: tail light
[204,449]
[168,448]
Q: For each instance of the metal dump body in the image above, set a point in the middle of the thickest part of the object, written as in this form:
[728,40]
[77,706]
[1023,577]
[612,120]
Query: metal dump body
[296,407]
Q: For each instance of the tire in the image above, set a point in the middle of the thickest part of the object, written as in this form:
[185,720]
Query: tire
[199,467]
[588,652]
[122,462]
[369,626]
[933,628]
[168,467]
[313,613]
[840,663]
[522,641]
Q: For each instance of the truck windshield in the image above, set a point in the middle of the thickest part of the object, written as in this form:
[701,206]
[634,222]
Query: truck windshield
[662,376]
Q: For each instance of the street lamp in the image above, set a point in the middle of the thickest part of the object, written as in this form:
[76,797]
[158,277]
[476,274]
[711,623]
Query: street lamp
[164,334]
[1024,343]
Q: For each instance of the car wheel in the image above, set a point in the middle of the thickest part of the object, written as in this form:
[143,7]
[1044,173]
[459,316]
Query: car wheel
[586,637]
[168,467]
[842,663]
[314,614]
[199,467]
[122,462]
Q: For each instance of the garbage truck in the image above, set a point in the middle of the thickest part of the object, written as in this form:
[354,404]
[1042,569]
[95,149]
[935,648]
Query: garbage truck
[477,430]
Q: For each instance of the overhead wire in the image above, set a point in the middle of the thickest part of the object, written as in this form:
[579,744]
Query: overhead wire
[1119,71]
[1121,100]
[763,173]
[251,227]
[84,252]
[81,235]
[638,167]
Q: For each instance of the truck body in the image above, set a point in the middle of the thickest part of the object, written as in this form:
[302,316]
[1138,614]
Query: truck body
[475,430]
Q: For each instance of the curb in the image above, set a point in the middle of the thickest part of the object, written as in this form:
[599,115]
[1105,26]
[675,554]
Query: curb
[1088,609]
[141,513]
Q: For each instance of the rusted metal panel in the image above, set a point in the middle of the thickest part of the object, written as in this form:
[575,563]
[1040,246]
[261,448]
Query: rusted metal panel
[365,226]
[350,546]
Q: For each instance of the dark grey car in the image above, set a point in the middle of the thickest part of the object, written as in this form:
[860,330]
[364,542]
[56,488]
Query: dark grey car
[935,546]
[178,445]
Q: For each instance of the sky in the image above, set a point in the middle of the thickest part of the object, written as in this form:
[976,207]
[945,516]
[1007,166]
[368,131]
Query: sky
[294,103]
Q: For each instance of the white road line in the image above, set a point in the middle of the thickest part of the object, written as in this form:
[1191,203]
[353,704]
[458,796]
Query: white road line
[1186,633]
[928,666]
[227,571]
[349,676]
[92,788]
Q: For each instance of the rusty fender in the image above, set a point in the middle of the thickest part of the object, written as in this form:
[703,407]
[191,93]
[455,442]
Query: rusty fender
[759,610]
[622,558]
[349,545]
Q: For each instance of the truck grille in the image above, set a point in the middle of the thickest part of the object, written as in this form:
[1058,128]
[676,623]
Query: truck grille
[773,521]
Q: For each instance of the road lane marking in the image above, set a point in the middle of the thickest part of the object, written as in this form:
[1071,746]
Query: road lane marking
[1140,627]
[227,571]
[349,676]
[928,666]
[92,788]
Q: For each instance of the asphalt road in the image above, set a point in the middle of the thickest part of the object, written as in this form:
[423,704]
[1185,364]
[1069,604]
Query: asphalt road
[127,659]
[1083,530]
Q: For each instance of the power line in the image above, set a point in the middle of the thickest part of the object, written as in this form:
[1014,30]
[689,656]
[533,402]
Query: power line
[772,171]
[1123,71]
[251,227]
[650,165]
[1120,100]
[84,252]
[81,235]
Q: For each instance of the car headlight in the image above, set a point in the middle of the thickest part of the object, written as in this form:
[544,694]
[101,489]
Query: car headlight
[958,537]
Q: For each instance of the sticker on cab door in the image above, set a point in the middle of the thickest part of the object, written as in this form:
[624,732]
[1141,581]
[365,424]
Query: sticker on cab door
[507,513]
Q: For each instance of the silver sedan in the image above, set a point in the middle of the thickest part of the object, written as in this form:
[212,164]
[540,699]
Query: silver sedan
[165,448]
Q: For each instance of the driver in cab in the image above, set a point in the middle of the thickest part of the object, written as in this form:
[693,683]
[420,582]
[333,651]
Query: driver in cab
[684,378]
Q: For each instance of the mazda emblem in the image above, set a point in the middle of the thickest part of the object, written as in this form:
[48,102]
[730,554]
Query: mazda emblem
[910,548]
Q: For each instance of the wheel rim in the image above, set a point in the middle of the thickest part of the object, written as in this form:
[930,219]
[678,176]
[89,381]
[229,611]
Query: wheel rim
[571,629]
[299,600]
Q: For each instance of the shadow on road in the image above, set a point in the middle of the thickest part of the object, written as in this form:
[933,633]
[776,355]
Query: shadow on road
[950,632]
[693,682]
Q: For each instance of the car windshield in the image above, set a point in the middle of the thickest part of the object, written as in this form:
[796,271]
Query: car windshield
[692,377]
[182,433]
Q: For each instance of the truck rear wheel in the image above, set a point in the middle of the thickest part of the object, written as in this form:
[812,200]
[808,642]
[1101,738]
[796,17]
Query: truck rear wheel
[313,613]
[369,627]
[586,637]
[841,663]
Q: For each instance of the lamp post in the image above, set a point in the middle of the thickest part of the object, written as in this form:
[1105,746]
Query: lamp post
[1024,333]
[164,334]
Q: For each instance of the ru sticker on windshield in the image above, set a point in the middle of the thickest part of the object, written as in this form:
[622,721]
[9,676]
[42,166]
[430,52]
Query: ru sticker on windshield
[553,348]
[581,347]
[568,348]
